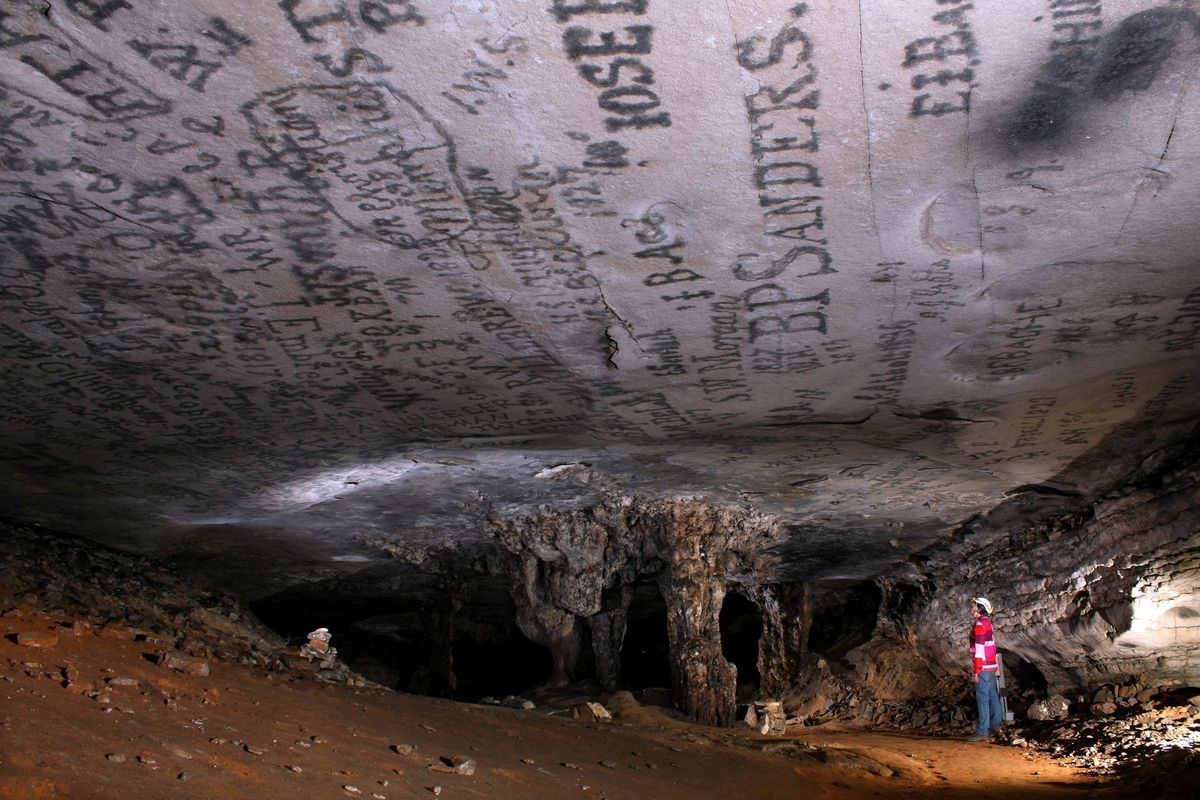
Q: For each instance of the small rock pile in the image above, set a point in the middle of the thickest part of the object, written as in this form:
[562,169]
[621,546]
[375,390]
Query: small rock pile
[926,716]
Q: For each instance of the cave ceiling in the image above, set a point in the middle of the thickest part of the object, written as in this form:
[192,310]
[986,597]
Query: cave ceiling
[283,281]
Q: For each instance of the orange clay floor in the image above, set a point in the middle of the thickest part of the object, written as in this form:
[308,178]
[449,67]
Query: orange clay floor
[88,715]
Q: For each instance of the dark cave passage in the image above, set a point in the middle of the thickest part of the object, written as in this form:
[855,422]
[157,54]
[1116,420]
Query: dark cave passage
[394,642]
[1023,676]
[498,668]
[645,654]
[741,629]
[843,618]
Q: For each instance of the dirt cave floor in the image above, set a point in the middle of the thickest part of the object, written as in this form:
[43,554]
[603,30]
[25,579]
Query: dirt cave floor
[87,714]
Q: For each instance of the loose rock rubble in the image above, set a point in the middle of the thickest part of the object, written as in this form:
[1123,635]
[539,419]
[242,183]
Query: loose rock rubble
[591,711]
[1125,741]
[123,596]
[458,764]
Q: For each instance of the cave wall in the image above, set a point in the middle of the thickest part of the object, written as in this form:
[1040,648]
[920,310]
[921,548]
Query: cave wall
[127,596]
[1106,593]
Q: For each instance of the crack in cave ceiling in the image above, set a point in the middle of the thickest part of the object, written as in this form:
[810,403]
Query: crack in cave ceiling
[281,280]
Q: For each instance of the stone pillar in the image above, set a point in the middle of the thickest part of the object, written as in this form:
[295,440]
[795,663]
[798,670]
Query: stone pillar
[608,634]
[703,683]
[787,619]
[543,622]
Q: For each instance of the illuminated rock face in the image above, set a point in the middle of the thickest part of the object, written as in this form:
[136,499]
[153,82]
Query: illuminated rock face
[289,291]
[1098,596]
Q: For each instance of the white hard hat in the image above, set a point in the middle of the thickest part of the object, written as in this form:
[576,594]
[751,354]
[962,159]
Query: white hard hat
[983,601]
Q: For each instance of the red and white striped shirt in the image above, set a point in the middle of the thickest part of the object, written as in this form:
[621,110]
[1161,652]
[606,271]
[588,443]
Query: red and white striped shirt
[983,646]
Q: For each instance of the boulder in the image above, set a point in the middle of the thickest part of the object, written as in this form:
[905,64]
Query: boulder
[750,717]
[772,721]
[40,639]
[463,765]
[191,666]
[1053,707]
[591,711]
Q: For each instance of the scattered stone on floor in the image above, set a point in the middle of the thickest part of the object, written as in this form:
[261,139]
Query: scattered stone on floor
[38,639]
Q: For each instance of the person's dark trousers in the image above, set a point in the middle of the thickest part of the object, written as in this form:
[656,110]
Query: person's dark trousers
[987,695]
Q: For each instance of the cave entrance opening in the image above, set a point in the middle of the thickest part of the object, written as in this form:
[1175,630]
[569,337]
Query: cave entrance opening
[645,652]
[741,629]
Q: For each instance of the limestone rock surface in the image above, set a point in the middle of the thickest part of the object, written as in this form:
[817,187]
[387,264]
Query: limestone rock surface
[520,324]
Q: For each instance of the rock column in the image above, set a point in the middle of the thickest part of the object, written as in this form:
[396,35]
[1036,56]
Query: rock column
[543,622]
[576,566]
[703,683]
[787,619]
[608,633]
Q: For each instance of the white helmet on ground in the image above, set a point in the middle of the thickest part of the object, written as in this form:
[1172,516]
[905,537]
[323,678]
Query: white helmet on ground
[983,601]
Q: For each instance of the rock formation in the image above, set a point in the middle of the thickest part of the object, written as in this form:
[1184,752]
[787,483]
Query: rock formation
[576,569]
[497,336]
